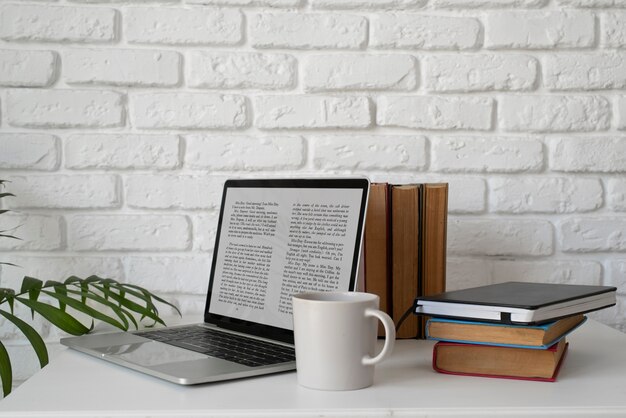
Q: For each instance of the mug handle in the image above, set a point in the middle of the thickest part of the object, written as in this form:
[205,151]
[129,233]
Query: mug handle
[390,336]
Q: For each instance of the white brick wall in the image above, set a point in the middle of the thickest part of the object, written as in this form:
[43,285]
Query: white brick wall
[119,121]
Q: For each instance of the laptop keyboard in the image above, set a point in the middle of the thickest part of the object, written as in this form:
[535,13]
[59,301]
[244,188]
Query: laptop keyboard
[232,347]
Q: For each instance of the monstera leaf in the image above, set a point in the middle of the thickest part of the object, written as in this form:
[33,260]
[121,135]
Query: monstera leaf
[121,305]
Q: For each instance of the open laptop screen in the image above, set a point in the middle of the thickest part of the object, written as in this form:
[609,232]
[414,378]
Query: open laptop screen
[279,237]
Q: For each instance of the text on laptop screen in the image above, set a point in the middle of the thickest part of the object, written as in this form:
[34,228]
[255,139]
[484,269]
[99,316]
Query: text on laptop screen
[275,242]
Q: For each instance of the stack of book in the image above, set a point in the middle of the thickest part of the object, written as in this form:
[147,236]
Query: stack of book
[405,248]
[511,330]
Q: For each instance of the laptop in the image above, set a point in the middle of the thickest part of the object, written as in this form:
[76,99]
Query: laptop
[275,238]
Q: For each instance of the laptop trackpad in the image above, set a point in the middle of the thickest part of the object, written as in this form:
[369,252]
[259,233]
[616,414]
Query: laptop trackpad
[149,353]
[171,360]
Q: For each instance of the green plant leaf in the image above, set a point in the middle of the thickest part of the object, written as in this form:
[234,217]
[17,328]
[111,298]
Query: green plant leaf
[33,337]
[106,292]
[99,299]
[8,295]
[155,297]
[135,307]
[73,279]
[142,295]
[31,286]
[84,308]
[8,236]
[6,372]
[57,317]
[58,288]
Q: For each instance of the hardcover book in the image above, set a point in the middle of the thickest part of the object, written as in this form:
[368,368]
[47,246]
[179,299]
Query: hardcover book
[377,244]
[517,302]
[405,256]
[501,362]
[522,336]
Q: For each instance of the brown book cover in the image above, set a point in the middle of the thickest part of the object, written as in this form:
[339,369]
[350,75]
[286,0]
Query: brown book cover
[378,247]
[494,361]
[405,235]
[434,211]
[530,336]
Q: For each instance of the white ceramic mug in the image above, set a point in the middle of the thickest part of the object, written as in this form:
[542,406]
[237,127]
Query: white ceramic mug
[335,338]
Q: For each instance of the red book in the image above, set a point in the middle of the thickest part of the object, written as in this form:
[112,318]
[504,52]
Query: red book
[500,362]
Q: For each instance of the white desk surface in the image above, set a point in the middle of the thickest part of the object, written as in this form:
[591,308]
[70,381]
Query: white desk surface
[592,383]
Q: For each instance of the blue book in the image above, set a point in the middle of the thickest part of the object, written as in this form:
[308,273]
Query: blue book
[487,333]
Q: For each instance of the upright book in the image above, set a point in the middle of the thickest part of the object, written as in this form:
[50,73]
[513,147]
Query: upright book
[503,362]
[517,302]
[522,336]
[378,247]
[434,221]
[405,236]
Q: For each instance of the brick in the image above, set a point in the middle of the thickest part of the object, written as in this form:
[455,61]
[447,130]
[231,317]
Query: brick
[466,73]
[65,191]
[27,68]
[414,31]
[480,4]
[166,274]
[486,154]
[617,275]
[500,237]
[64,108]
[621,113]
[250,3]
[307,31]
[539,30]
[367,4]
[553,271]
[359,72]
[593,234]
[122,151]
[369,152]
[588,154]
[121,67]
[241,70]
[465,194]
[435,112]
[128,232]
[465,272]
[613,29]
[29,151]
[545,194]
[59,268]
[36,232]
[43,23]
[244,152]
[173,191]
[183,26]
[204,230]
[616,195]
[593,3]
[543,113]
[586,71]
[309,112]
[187,111]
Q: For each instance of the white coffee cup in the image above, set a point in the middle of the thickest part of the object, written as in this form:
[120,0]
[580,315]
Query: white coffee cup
[335,338]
